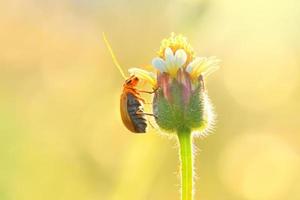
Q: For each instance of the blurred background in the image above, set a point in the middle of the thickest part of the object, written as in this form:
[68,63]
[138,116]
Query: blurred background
[61,136]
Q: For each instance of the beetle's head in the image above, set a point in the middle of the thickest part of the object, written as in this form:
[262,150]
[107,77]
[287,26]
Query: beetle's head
[132,81]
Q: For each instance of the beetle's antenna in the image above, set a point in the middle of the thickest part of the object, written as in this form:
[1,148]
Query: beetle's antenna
[113,56]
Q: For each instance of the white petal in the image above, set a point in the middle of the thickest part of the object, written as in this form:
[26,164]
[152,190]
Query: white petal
[169,57]
[210,65]
[168,52]
[210,70]
[189,68]
[202,65]
[180,57]
[144,75]
[159,64]
[192,66]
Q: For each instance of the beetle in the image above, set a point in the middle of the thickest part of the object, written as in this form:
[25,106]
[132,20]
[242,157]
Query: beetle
[131,107]
[131,102]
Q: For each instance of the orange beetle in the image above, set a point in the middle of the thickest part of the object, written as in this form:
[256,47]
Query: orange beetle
[131,103]
[131,107]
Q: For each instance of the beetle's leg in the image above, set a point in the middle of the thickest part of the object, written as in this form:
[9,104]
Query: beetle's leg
[142,113]
[143,91]
[141,99]
[150,114]
[138,97]
[148,92]
[151,124]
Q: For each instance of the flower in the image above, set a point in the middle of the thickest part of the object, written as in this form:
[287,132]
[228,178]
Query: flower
[180,100]
[172,63]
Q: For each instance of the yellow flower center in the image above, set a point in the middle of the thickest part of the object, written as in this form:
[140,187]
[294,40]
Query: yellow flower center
[176,42]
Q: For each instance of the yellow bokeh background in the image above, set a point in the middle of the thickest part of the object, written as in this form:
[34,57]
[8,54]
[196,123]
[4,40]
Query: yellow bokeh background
[61,136]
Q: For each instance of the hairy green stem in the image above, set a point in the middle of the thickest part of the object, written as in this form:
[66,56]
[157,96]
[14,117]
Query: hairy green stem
[186,156]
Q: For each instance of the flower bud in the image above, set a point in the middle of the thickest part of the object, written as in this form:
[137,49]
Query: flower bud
[179,103]
[180,100]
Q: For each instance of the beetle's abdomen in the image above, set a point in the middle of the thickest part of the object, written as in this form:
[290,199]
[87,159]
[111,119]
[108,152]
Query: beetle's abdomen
[138,120]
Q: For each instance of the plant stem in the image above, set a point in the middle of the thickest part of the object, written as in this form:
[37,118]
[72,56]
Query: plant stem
[185,141]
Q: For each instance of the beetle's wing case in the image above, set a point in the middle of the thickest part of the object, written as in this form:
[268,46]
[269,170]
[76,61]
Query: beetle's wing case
[124,113]
[134,105]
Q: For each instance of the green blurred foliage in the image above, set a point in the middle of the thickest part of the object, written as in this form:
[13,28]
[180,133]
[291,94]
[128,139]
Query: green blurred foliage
[61,136]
